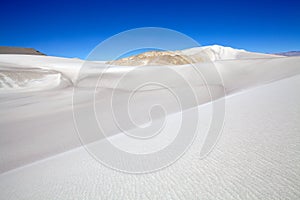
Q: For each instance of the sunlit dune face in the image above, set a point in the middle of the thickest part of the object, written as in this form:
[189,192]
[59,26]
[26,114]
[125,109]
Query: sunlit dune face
[157,58]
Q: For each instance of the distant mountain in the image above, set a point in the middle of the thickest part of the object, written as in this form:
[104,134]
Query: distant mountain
[289,53]
[187,56]
[19,50]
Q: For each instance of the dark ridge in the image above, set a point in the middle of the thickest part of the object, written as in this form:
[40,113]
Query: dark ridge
[20,50]
[289,53]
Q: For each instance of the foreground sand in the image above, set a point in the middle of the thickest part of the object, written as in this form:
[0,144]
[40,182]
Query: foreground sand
[257,156]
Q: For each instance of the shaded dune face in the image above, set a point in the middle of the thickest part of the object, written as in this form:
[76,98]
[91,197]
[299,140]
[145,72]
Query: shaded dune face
[15,79]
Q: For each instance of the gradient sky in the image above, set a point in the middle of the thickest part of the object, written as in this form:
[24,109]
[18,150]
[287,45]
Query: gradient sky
[73,29]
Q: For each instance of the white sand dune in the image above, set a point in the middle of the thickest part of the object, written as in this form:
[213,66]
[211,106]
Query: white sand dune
[257,156]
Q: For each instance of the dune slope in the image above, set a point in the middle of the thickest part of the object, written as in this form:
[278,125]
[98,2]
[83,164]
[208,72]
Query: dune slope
[257,157]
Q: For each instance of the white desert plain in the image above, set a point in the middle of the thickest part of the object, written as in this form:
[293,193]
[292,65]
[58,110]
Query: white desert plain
[45,105]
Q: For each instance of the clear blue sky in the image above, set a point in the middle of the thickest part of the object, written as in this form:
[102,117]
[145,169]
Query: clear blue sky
[73,28]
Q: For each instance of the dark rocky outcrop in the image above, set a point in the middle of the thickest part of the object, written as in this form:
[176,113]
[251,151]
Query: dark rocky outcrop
[19,50]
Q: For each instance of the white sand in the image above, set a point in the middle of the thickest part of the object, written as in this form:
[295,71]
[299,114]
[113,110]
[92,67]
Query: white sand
[257,156]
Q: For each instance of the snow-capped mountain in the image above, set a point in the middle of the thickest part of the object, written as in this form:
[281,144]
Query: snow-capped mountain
[187,56]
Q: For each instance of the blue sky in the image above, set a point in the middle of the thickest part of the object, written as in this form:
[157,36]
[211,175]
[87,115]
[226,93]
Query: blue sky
[73,28]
